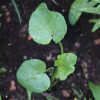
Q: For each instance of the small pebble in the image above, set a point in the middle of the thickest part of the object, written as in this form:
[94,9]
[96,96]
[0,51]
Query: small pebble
[63,10]
[65,93]
[24,57]
[49,57]
[12,86]
[3,6]
[6,96]
[81,35]
[29,38]
[9,44]
[89,61]
[10,70]
[7,13]
[77,45]
[8,19]
[97,42]
[84,67]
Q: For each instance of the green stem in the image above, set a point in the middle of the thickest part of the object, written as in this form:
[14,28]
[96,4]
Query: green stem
[61,47]
[53,77]
[51,68]
[54,83]
[29,94]
[17,10]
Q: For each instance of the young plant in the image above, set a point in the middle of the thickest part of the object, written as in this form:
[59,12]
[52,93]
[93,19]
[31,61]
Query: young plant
[45,26]
[96,25]
[84,6]
[95,88]
[2,70]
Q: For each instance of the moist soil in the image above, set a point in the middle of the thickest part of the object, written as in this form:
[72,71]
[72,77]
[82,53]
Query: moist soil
[16,47]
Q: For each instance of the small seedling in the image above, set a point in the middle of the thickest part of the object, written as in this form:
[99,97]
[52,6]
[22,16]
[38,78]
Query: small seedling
[2,70]
[83,6]
[96,25]
[45,26]
[95,88]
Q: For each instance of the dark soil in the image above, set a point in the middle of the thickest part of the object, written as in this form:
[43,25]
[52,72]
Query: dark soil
[15,48]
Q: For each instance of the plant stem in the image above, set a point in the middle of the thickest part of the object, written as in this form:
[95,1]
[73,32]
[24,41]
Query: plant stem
[51,68]
[53,77]
[61,47]
[54,74]
[54,83]
[17,10]
[29,94]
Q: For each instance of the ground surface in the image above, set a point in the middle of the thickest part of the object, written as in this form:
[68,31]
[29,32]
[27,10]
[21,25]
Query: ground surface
[15,47]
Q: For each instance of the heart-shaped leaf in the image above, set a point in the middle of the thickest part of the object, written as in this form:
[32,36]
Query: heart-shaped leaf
[65,65]
[95,88]
[45,25]
[31,75]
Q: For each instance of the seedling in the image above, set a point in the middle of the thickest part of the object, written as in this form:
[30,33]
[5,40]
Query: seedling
[96,25]
[2,70]
[84,6]
[95,88]
[45,26]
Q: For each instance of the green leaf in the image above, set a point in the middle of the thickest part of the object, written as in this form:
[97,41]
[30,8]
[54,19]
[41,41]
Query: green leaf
[95,88]
[65,65]
[45,25]
[80,6]
[2,70]
[75,13]
[96,25]
[31,75]
[0,97]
